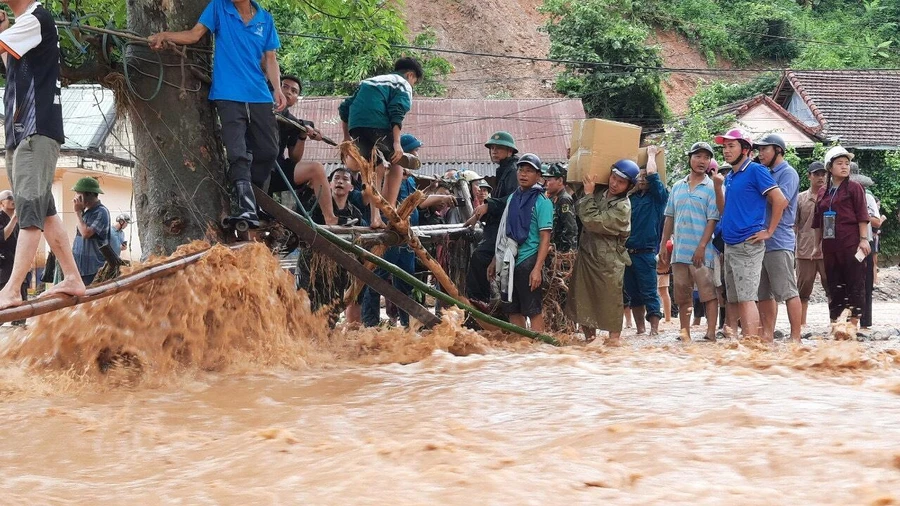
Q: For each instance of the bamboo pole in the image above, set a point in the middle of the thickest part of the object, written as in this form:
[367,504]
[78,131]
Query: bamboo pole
[50,303]
[349,150]
[391,268]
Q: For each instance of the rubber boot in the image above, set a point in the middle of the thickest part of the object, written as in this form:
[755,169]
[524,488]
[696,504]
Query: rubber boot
[246,203]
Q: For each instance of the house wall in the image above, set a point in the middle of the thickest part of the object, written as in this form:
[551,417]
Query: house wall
[117,198]
[761,119]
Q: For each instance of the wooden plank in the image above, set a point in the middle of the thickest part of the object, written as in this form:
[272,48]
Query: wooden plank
[293,222]
[55,302]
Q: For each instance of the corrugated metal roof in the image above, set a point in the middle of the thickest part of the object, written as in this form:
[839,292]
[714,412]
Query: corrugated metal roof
[89,112]
[454,130]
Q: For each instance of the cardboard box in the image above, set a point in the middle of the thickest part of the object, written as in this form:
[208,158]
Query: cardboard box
[599,143]
[660,161]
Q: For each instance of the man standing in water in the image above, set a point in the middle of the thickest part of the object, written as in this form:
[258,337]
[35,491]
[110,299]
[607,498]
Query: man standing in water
[809,250]
[34,133]
[647,205]
[778,282]
[749,187]
[502,148]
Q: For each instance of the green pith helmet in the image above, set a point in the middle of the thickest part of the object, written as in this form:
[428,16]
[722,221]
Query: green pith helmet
[504,139]
[87,185]
[556,170]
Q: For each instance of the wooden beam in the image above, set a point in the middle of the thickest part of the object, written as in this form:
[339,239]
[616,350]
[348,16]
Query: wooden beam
[293,222]
[48,304]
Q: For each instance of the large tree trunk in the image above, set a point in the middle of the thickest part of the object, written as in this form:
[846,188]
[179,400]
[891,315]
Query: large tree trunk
[179,177]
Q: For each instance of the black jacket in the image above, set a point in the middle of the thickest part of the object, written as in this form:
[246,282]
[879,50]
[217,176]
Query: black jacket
[506,185]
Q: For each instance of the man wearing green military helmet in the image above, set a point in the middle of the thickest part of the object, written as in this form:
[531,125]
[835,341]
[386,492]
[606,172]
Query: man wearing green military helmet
[502,149]
[565,228]
[92,230]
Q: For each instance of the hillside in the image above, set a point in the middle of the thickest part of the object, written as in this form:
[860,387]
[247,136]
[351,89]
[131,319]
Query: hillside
[470,25]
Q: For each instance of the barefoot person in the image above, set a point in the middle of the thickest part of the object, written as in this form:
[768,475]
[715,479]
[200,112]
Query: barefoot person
[595,289]
[34,133]
[742,199]
[691,216]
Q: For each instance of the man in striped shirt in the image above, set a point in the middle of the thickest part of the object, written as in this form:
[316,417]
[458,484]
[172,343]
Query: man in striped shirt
[691,213]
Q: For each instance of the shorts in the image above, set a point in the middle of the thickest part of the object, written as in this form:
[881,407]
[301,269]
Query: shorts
[686,277]
[743,266]
[367,139]
[31,167]
[662,280]
[806,276]
[778,279]
[524,301]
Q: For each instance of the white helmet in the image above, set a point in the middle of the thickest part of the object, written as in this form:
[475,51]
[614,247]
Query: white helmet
[470,175]
[836,152]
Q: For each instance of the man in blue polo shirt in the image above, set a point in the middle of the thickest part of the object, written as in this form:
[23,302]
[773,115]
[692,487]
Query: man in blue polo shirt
[244,57]
[778,281]
[749,187]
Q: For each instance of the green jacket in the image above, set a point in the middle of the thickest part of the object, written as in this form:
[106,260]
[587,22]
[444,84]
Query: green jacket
[379,102]
[565,228]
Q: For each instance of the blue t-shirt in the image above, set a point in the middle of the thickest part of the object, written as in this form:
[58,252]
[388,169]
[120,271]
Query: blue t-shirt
[541,219]
[789,182]
[116,238]
[407,188]
[87,251]
[239,49]
[745,202]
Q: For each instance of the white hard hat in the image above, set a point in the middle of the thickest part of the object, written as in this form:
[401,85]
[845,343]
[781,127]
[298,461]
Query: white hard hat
[470,175]
[836,152]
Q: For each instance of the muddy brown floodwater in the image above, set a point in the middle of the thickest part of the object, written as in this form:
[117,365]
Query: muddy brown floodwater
[216,392]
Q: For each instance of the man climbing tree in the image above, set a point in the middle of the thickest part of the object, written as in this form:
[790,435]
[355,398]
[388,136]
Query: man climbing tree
[245,35]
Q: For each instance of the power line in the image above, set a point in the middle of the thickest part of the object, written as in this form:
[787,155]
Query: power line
[588,64]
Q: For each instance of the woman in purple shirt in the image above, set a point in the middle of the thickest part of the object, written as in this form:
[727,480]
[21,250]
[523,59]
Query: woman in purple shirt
[841,224]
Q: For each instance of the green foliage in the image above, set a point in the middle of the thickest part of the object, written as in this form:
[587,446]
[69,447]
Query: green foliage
[801,34]
[366,31]
[679,137]
[719,93]
[883,167]
[595,31]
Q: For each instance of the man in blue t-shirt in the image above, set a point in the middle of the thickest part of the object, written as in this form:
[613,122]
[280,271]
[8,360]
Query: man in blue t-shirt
[750,187]
[778,282]
[243,58]
[522,246]
[92,230]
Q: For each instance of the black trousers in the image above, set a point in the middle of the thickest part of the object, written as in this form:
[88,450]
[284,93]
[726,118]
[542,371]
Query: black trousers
[477,285]
[869,262]
[250,136]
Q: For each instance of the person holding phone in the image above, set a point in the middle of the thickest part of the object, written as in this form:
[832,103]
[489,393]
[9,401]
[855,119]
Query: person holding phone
[842,227]
[92,228]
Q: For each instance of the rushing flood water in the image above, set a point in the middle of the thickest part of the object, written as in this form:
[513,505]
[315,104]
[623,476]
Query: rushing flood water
[277,419]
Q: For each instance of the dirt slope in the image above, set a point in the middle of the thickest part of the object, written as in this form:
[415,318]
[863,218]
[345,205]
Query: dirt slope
[511,27]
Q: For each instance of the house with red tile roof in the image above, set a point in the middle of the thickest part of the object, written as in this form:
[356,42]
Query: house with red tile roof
[857,108]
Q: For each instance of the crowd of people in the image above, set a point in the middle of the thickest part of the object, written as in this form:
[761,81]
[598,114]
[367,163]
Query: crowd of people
[737,235]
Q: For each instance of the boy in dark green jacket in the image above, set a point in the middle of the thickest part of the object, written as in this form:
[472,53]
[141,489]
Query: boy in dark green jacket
[373,118]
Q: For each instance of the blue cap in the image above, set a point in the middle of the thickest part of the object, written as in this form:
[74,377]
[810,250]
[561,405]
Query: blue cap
[409,142]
